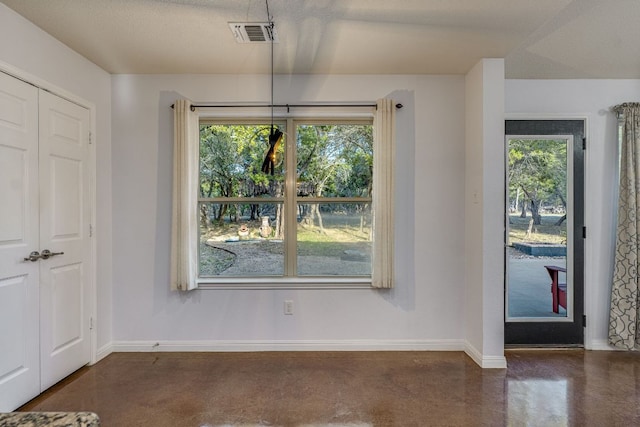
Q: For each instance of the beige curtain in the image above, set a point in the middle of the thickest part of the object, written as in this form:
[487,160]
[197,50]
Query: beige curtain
[624,316]
[184,221]
[383,192]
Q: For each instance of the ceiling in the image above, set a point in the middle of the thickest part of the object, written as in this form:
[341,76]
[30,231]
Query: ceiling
[538,38]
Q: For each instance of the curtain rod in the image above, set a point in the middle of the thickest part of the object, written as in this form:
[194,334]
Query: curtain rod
[287,106]
[619,107]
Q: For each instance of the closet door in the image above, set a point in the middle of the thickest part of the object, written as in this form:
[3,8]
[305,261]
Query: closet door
[19,236]
[45,248]
[65,183]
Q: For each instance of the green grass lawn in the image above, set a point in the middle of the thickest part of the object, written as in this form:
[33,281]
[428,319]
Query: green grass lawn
[546,232]
[340,233]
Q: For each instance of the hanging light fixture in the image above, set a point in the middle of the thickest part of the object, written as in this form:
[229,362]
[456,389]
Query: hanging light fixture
[275,135]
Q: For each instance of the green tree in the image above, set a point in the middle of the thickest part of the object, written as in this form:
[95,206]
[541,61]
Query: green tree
[538,168]
[230,160]
[358,153]
[333,161]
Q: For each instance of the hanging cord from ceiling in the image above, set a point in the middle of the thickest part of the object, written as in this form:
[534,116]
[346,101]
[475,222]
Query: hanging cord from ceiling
[271,27]
[275,136]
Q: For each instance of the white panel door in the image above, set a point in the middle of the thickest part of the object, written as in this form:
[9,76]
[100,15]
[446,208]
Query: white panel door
[65,184]
[19,235]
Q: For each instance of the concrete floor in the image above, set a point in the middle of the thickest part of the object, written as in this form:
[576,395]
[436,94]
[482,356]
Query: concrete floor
[539,388]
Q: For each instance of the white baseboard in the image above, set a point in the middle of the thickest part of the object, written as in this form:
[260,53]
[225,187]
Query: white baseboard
[602,345]
[294,345]
[485,362]
[495,362]
[488,362]
[104,351]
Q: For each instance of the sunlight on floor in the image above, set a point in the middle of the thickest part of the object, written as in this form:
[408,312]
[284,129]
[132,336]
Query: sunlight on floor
[539,402]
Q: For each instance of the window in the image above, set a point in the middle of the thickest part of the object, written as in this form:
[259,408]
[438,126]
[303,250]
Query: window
[291,208]
[298,209]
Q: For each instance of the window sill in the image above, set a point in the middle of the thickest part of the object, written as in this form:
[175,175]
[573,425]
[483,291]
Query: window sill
[286,283]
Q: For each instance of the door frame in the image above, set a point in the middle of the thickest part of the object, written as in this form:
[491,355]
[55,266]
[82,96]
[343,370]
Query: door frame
[92,274]
[586,309]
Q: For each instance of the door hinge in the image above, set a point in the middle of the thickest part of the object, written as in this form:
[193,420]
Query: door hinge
[91,323]
[584,143]
[90,138]
[584,232]
[90,230]
[584,320]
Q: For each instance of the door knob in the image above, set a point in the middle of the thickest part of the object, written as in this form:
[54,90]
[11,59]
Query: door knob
[46,254]
[33,256]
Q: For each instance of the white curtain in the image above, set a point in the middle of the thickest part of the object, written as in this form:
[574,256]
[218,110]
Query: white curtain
[383,192]
[624,316]
[184,221]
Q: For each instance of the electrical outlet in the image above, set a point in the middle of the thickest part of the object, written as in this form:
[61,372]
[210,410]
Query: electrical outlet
[288,306]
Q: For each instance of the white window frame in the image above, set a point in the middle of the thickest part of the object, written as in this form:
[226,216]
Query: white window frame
[288,280]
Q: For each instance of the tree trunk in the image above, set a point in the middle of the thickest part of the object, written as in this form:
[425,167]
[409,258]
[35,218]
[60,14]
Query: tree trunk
[204,215]
[306,215]
[316,209]
[221,212]
[535,212]
[279,223]
[279,231]
[561,220]
[564,202]
[523,212]
[530,229]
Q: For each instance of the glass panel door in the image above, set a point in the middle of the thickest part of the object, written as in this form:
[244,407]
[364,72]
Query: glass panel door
[539,219]
[544,232]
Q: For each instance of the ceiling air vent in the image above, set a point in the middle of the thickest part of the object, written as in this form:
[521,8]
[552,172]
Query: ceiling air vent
[253,32]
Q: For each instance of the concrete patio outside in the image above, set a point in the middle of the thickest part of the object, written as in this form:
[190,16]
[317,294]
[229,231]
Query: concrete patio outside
[529,290]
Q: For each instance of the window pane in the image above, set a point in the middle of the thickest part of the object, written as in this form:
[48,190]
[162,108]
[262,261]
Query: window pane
[538,211]
[334,239]
[236,161]
[243,200]
[240,240]
[334,160]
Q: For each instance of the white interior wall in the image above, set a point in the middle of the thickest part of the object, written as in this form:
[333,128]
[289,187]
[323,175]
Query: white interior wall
[424,310]
[484,201]
[473,264]
[29,51]
[590,99]
[493,210]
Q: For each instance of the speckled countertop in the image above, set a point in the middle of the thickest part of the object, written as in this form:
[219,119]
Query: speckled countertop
[49,419]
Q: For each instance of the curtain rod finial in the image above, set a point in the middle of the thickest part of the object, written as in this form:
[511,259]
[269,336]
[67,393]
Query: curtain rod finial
[193,107]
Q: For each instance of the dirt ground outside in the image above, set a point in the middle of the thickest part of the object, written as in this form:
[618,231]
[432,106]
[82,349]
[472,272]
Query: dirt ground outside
[341,247]
[266,258]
